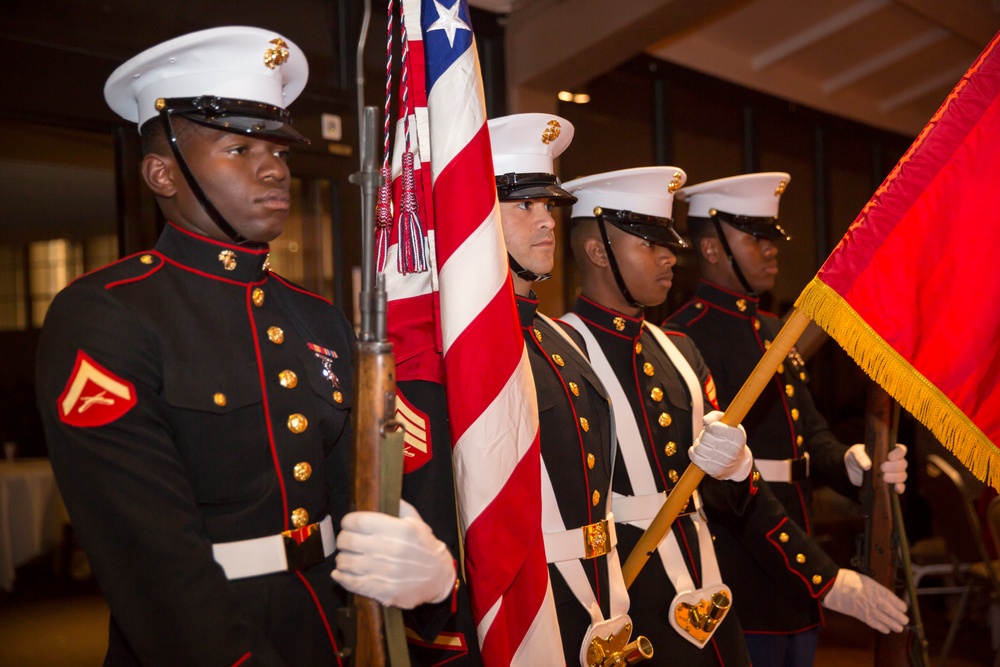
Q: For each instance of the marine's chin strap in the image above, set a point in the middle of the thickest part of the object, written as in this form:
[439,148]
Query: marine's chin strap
[196,188]
[729,255]
[525,274]
[619,280]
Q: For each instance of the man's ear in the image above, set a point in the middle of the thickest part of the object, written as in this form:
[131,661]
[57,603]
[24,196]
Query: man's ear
[596,252]
[161,174]
[710,249]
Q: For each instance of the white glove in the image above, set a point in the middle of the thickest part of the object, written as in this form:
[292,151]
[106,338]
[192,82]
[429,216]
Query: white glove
[867,600]
[395,560]
[893,469]
[721,450]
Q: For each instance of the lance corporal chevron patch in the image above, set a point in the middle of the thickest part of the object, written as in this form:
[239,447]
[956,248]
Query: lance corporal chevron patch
[94,396]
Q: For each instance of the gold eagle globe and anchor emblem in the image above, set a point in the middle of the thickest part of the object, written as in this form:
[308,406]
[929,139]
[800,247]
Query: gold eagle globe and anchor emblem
[552,132]
[278,55]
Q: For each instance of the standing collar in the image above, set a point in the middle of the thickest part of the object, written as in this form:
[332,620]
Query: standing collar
[527,306]
[619,324]
[216,259]
[734,303]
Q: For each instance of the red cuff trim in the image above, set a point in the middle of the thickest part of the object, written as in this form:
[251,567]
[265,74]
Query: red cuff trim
[246,656]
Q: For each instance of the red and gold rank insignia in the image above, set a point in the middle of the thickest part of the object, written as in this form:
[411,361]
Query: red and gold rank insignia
[710,392]
[417,441]
[94,396]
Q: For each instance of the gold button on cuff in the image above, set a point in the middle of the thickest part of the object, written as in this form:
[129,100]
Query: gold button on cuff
[146,259]
[638,347]
[288,379]
[664,420]
[559,360]
[584,424]
[595,498]
[297,423]
[817,580]
[789,390]
[800,558]
[673,476]
[300,517]
[591,461]
[670,448]
[798,440]
[276,335]
[795,414]
[338,397]
[647,368]
[783,538]
[538,335]
[258,296]
[575,388]
[220,399]
[656,394]
[302,471]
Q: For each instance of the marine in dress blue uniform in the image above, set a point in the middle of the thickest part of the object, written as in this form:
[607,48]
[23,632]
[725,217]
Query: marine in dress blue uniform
[575,430]
[196,403]
[792,443]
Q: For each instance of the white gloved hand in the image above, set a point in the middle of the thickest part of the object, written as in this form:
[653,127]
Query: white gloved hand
[893,469]
[867,600]
[721,450]
[395,560]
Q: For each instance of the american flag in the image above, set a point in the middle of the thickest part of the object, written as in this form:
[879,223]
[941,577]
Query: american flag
[457,323]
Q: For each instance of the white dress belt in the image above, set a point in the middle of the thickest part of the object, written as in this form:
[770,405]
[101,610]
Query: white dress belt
[264,555]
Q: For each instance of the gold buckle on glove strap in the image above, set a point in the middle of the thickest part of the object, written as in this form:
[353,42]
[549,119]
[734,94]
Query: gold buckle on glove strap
[595,539]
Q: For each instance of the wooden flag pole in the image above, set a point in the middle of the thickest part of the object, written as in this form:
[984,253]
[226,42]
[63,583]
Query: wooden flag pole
[737,410]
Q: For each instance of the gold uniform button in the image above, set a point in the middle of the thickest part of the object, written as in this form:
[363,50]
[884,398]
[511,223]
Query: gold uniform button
[276,335]
[670,448]
[300,517]
[538,335]
[672,476]
[258,297]
[647,368]
[559,360]
[767,345]
[288,379]
[220,399]
[146,259]
[789,390]
[297,423]
[656,394]
[798,440]
[802,376]
[817,580]
[795,414]
[756,324]
[338,397]
[302,471]
[584,424]
[591,461]
[575,388]
[781,369]
[638,347]
[595,498]
[783,538]
[800,558]
[664,420]
[699,306]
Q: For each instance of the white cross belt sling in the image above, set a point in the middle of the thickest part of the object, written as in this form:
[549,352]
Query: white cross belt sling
[691,607]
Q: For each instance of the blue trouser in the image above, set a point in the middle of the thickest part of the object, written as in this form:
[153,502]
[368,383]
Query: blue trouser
[798,650]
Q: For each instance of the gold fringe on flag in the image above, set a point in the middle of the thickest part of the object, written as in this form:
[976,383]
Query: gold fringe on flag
[915,393]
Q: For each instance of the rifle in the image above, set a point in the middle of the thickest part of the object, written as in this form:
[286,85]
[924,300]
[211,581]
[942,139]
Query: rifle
[376,633]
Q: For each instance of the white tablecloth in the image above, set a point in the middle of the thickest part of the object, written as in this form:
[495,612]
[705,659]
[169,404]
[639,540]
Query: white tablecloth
[32,514]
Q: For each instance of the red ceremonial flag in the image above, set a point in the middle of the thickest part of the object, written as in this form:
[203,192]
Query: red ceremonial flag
[455,321]
[911,291]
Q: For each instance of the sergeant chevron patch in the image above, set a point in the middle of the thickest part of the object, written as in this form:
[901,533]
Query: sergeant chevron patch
[417,441]
[94,396]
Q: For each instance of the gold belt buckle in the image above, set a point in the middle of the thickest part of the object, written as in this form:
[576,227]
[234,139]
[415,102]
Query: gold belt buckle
[596,541]
[303,547]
